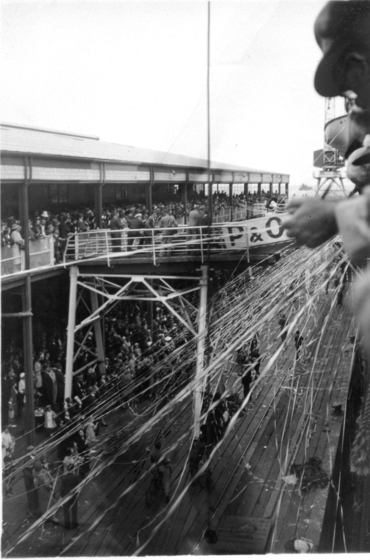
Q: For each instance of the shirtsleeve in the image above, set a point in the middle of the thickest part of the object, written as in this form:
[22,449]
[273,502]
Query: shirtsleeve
[353,219]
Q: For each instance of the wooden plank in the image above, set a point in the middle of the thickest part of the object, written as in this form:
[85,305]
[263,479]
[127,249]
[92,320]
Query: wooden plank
[321,401]
[243,535]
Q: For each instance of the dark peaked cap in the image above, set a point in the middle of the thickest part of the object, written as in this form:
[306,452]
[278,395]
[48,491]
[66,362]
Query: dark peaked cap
[341,27]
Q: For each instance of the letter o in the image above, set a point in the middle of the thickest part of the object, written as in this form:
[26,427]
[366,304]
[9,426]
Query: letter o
[268,227]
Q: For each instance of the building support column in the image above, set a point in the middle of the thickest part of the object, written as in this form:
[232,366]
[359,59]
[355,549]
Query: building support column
[287,190]
[270,189]
[210,202]
[246,186]
[99,197]
[279,189]
[71,331]
[185,201]
[149,197]
[231,201]
[149,309]
[98,334]
[99,205]
[202,332]
[259,192]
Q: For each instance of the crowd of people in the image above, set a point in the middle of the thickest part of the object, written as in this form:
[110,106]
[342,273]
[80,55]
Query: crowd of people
[60,223]
[133,349]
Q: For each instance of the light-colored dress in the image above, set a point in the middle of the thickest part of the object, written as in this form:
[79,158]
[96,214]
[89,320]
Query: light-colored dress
[90,433]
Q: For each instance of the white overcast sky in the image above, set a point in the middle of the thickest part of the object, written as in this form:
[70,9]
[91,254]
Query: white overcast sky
[134,72]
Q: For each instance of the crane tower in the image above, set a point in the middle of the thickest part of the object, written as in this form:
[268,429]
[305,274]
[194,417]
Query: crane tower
[331,173]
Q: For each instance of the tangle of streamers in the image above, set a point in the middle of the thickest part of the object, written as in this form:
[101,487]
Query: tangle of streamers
[243,307]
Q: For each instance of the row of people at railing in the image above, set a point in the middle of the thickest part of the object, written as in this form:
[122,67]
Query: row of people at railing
[49,232]
[62,223]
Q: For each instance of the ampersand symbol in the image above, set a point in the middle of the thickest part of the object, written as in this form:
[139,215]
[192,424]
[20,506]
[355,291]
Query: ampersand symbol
[256,236]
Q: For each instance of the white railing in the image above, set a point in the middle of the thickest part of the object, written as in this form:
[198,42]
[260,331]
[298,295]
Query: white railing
[41,254]
[238,213]
[154,244]
[150,244]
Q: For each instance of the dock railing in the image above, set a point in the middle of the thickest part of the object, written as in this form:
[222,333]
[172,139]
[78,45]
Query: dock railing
[150,244]
[182,241]
[41,254]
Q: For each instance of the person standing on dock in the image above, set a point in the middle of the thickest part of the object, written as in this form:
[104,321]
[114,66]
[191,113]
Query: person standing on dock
[31,490]
[70,479]
[255,355]
[21,395]
[247,379]
[298,341]
[162,464]
[282,324]
[339,288]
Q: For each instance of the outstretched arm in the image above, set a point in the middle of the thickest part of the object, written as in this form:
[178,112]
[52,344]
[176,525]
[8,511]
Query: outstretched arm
[311,222]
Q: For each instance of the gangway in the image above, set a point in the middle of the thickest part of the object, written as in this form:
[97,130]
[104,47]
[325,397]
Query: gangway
[186,241]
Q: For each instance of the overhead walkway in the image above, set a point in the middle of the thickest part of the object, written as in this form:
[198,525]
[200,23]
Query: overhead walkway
[249,241]
[219,241]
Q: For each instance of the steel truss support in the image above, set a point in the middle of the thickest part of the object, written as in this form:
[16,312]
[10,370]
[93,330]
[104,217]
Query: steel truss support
[98,334]
[111,291]
[334,184]
[71,331]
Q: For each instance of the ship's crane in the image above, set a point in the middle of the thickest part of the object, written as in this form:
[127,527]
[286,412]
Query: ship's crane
[331,174]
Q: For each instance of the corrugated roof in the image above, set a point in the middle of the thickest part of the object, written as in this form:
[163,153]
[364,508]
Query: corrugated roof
[24,140]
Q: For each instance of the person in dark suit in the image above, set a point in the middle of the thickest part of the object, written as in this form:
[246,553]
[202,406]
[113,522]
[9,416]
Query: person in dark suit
[31,490]
[282,323]
[115,225]
[298,341]
[134,238]
[70,479]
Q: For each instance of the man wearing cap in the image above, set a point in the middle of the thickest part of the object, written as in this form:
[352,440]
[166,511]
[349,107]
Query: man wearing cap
[135,237]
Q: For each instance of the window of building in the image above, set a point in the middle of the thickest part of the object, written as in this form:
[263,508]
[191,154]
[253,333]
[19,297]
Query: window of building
[58,194]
